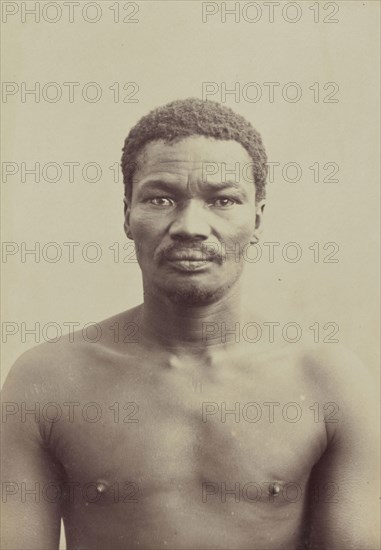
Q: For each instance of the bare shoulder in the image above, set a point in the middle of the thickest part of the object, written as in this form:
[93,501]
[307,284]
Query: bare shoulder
[346,387]
[51,369]
[337,371]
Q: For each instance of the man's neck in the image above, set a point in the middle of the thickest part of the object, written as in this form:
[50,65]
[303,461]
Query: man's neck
[184,328]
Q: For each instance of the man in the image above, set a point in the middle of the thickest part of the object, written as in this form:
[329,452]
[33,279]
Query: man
[167,432]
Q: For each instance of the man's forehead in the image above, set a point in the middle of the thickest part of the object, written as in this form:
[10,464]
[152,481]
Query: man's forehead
[193,150]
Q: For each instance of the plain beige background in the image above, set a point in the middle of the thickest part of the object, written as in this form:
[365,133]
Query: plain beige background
[169,53]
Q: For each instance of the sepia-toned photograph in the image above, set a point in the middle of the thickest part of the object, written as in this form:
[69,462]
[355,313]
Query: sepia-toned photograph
[190,275]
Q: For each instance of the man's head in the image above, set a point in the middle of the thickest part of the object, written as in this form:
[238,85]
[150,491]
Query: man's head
[192,225]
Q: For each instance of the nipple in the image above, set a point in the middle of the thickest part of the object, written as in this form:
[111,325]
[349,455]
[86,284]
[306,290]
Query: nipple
[173,362]
[274,488]
[101,486]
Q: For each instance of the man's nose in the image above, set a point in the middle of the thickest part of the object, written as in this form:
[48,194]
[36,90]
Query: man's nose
[190,222]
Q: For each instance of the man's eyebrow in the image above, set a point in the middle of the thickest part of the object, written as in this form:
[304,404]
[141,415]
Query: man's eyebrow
[158,184]
[220,185]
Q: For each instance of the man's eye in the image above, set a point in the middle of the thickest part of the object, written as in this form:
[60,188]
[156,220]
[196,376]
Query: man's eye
[223,202]
[161,201]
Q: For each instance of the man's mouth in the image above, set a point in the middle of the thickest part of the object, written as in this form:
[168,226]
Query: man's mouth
[187,262]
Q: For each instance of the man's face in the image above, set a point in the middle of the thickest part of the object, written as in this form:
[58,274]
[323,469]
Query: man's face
[190,219]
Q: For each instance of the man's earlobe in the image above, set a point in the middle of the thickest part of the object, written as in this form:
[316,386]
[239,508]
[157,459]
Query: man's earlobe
[127,231]
[260,206]
[126,224]
[258,222]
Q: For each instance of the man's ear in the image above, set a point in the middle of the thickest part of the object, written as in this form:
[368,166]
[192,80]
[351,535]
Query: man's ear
[259,206]
[126,225]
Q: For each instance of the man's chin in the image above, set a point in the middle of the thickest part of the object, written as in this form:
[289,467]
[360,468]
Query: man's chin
[193,295]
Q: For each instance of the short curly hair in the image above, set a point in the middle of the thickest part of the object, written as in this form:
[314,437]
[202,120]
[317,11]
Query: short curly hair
[188,117]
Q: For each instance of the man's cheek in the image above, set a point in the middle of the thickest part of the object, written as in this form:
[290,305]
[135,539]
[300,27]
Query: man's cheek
[143,250]
[240,236]
[234,247]
[144,223]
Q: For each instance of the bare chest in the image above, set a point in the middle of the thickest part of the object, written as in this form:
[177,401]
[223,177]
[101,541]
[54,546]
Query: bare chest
[204,436]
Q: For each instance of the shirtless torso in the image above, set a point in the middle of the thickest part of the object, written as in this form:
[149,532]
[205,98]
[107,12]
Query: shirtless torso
[155,449]
[174,442]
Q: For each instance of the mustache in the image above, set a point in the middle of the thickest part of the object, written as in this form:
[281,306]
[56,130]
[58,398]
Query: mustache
[207,252]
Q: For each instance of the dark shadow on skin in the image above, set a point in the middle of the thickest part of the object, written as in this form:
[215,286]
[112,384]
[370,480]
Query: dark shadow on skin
[307,516]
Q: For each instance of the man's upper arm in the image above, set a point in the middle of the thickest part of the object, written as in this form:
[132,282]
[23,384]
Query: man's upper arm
[30,476]
[344,485]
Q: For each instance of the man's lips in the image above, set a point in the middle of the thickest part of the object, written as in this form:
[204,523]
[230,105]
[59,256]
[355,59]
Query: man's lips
[190,265]
[189,262]
[189,258]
